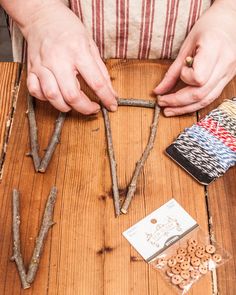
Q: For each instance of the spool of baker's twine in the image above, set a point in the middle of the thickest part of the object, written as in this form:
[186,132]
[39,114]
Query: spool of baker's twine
[210,144]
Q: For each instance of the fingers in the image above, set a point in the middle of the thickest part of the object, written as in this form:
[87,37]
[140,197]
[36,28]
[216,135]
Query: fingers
[101,65]
[204,64]
[205,60]
[170,78]
[71,93]
[192,94]
[34,87]
[90,71]
[187,95]
[215,93]
[51,90]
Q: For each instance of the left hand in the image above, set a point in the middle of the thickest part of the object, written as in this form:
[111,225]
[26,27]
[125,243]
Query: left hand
[212,43]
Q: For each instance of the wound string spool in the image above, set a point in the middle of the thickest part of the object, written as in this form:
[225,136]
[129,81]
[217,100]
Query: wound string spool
[208,148]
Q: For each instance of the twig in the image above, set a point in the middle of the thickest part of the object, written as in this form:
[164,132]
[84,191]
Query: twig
[33,133]
[17,257]
[55,139]
[140,163]
[47,222]
[189,61]
[133,102]
[112,162]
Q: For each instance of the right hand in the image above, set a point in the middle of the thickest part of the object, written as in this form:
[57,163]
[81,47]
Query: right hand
[59,49]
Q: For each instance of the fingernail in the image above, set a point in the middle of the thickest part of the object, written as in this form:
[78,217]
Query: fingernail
[97,111]
[169,114]
[113,107]
[157,88]
[162,103]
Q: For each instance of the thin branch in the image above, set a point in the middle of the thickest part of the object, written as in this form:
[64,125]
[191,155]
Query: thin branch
[47,222]
[133,102]
[112,162]
[55,139]
[17,257]
[33,133]
[189,61]
[140,163]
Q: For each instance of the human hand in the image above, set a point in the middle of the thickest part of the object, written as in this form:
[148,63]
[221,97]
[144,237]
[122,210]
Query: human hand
[212,43]
[58,50]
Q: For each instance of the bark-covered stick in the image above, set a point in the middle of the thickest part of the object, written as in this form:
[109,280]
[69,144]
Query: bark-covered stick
[189,61]
[140,163]
[112,162]
[33,133]
[47,222]
[55,139]
[17,257]
[133,102]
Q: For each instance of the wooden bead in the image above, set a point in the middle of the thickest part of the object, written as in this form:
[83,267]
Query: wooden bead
[189,263]
[191,249]
[185,274]
[176,279]
[171,262]
[203,269]
[169,273]
[201,247]
[194,274]
[217,258]
[210,249]
[191,255]
[192,242]
[208,256]
[182,251]
[191,268]
[199,253]
[184,265]
[195,261]
[180,258]
[176,270]
[205,260]
[187,258]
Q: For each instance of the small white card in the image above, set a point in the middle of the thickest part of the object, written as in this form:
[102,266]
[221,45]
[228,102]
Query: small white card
[160,229]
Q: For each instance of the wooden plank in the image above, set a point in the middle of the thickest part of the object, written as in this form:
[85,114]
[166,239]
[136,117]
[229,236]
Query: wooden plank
[160,181]
[85,252]
[8,77]
[222,210]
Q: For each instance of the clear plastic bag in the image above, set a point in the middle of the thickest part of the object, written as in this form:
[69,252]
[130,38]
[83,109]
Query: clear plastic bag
[172,242]
[189,259]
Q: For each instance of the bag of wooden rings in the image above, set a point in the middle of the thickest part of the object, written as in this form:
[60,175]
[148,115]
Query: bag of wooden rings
[189,259]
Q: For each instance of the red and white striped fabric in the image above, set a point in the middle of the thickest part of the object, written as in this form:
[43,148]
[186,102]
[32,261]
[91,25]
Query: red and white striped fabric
[139,28]
[131,28]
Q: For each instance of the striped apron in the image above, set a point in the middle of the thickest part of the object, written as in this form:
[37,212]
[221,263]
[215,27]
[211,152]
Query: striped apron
[140,29]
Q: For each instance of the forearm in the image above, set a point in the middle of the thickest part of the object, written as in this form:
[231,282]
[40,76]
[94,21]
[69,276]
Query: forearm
[25,13]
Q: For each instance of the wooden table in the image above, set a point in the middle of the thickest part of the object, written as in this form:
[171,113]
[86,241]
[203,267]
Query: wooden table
[85,252]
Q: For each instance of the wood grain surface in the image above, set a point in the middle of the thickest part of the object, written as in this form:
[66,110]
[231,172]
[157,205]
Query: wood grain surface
[8,77]
[85,252]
